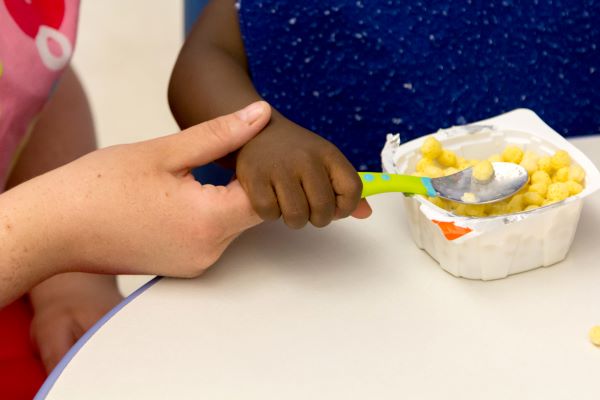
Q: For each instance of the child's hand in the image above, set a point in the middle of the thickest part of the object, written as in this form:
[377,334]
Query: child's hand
[290,171]
[65,307]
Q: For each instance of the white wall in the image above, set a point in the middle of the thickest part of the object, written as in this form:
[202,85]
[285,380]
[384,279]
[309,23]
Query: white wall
[125,52]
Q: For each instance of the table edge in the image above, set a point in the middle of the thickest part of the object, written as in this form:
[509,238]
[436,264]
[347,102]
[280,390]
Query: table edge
[44,391]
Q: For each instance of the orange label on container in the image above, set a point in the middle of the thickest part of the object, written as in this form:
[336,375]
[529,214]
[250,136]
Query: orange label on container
[450,230]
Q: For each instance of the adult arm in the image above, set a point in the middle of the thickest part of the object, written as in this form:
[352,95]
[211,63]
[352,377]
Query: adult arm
[128,209]
[65,305]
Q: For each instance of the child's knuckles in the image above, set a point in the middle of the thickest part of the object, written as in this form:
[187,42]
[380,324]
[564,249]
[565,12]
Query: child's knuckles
[322,205]
[295,219]
[322,212]
[304,156]
[330,151]
[295,224]
[266,209]
[320,220]
[352,185]
[344,208]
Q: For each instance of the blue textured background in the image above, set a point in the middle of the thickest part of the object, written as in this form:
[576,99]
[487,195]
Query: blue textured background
[356,70]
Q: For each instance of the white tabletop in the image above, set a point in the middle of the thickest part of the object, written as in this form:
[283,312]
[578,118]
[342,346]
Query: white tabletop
[353,311]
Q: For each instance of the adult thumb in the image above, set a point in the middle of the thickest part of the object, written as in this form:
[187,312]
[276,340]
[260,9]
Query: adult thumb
[211,140]
[233,209]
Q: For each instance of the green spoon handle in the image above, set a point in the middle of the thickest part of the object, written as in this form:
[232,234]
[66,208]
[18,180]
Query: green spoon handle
[378,182]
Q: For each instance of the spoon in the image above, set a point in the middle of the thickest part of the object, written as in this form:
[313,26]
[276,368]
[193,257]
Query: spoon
[508,178]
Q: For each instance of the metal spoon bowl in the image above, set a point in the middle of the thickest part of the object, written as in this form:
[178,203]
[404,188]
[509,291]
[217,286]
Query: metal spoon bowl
[508,179]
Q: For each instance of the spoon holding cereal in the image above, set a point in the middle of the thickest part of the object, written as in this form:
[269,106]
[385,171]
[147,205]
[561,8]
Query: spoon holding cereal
[486,182]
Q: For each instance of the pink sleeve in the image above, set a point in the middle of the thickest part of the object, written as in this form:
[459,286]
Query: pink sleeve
[37,38]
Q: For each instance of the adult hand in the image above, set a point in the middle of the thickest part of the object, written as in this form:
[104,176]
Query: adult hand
[129,209]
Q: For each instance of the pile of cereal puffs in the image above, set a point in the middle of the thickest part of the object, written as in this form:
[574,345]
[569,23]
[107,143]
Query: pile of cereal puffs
[551,178]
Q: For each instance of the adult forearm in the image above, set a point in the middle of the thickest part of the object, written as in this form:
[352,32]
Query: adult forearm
[31,244]
[63,132]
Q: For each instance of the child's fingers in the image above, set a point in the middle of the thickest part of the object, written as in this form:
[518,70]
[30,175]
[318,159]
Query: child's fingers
[54,344]
[292,202]
[321,198]
[346,185]
[263,199]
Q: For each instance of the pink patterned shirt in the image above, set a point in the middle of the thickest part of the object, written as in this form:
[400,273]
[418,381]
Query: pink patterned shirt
[37,38]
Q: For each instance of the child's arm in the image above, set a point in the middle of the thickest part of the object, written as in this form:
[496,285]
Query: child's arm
[286,170]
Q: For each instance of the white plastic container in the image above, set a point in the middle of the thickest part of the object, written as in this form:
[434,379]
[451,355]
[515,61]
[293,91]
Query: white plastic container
[493,247]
